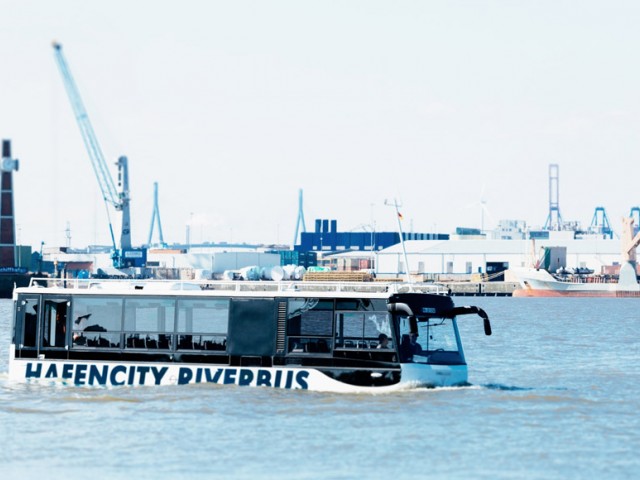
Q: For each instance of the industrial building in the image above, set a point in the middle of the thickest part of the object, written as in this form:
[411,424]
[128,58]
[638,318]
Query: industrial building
[327,238]
[460,258]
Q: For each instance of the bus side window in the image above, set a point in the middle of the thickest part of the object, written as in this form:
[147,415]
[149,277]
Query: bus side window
[97,321]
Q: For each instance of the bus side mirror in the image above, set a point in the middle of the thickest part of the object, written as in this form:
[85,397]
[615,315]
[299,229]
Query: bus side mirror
[485,320]
[487,326]
[468,310]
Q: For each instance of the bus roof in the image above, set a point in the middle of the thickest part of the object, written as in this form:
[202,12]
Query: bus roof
[199,288]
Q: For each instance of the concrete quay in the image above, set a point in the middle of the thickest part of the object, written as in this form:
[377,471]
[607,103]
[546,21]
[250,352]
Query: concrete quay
[482,289]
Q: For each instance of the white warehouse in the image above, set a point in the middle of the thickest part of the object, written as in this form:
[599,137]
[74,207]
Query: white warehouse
[460,257]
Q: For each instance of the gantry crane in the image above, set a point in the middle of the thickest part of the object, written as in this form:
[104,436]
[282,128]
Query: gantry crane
[119,200]
[600,223]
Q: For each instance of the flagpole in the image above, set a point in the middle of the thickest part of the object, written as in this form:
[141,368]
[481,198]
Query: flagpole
[404,250]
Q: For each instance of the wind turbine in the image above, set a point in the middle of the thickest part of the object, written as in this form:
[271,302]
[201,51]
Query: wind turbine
[482,203]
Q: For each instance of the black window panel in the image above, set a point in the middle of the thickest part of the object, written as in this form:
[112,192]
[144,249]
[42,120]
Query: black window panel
[203,315]
[360,304]
[149,315]
[324,305]
[317,323]
[97,314]
[97,340]
[27,322]
[202,342]
[310,316]
[351,325]
[96,322]
[148,341]
[252,327]
[354,304]
[309,345]
[361,329]
[347,304]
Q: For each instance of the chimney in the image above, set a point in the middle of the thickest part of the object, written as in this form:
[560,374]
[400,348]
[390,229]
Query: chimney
[7,221]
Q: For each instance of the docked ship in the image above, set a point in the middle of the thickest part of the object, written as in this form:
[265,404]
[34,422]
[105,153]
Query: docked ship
[537,282]
[540,283]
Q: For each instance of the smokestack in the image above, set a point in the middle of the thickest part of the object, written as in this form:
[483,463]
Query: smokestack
[7,222]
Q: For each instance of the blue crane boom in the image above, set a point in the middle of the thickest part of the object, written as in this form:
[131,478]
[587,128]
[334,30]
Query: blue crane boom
[119,200]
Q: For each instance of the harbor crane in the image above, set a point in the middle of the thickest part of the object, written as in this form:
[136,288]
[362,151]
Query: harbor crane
[600,223]
[126,256]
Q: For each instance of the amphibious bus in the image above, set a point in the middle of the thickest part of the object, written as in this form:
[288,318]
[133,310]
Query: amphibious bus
[339,337]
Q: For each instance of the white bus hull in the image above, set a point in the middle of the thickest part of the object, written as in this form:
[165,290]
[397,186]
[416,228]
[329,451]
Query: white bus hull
[117,374]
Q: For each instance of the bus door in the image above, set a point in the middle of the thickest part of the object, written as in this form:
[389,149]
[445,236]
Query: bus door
[26,327]
[54,323]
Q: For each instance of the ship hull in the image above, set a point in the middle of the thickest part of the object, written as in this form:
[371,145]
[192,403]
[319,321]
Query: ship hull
[530,292]
[539,283]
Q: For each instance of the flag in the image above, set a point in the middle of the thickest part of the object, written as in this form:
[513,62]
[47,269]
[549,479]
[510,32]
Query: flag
[400,216]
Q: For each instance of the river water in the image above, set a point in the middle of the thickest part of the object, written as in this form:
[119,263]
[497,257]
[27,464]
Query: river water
[555,394]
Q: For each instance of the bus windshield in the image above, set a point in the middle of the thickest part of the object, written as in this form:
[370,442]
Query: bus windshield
[435,334]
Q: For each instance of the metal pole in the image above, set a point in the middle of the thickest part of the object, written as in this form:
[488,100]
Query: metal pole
[404,250]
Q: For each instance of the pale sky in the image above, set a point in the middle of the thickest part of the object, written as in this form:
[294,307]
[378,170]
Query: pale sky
[232,106]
